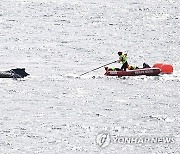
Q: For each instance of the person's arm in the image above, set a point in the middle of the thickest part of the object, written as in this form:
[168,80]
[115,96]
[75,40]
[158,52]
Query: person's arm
[120,59]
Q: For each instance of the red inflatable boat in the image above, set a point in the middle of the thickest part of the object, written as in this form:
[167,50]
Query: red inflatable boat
[136,72]
[164,67]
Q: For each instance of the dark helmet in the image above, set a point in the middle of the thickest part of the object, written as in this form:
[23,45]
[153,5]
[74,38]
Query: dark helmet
[106,68]
[119,53]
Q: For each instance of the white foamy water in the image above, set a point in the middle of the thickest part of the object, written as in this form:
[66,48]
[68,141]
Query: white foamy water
[55,110]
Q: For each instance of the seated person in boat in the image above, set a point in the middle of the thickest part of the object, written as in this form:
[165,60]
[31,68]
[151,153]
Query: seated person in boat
[131,67]
[112,69]
[123,59]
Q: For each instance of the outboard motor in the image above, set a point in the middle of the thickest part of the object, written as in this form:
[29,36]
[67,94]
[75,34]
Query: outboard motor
[146,65]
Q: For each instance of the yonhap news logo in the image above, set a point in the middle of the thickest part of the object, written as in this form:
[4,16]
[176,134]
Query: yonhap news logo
[104,139]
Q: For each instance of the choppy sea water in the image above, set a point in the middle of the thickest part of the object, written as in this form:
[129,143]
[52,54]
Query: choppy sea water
[54,110]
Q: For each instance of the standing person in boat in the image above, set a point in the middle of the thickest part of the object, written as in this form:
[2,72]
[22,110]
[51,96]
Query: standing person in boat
[123,59]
